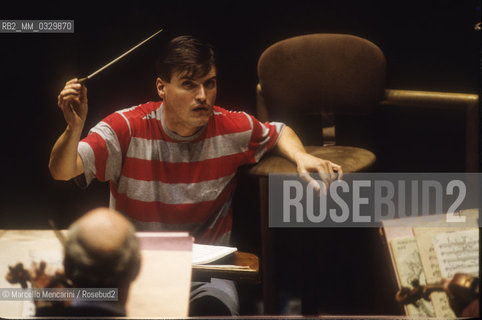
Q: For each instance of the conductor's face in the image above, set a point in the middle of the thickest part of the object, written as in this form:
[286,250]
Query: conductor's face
[188,102]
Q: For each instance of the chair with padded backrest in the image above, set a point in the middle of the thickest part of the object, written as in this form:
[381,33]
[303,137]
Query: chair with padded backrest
[300,80]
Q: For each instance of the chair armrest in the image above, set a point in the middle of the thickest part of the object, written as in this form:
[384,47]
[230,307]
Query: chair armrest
[467,103]
[430,99]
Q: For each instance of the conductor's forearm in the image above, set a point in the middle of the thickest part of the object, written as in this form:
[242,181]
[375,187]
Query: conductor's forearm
[65,162]
[289,145]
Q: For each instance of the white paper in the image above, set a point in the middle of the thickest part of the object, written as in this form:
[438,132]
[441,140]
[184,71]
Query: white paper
[457,252]
[202,253]
[410,268]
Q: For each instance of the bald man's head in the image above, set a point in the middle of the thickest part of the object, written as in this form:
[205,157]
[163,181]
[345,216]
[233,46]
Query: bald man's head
[102,230]
[101,250]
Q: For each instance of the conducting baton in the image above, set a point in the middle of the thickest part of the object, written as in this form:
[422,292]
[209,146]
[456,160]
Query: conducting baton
[118,58]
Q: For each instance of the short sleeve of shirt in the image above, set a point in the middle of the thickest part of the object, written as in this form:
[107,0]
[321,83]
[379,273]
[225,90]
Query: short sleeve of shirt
[103,149]
[264,137]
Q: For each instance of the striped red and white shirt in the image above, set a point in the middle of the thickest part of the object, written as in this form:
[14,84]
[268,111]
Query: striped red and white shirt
[164,181]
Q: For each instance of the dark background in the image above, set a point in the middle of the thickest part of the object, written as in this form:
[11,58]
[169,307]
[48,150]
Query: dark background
[429,45]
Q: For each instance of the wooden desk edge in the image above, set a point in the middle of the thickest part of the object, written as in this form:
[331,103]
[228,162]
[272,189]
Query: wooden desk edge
[248,275]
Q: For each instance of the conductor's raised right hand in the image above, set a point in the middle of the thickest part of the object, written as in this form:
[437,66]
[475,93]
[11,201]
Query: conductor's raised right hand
[72,100]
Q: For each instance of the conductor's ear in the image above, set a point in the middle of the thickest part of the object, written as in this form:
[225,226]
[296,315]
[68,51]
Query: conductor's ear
[161,86]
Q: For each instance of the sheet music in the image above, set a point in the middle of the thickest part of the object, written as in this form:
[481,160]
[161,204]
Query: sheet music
[431,267]
[409,268]
[399,238]
[430,263]
[457,252]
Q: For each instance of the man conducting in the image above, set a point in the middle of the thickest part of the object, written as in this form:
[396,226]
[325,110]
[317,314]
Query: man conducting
[171,164]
